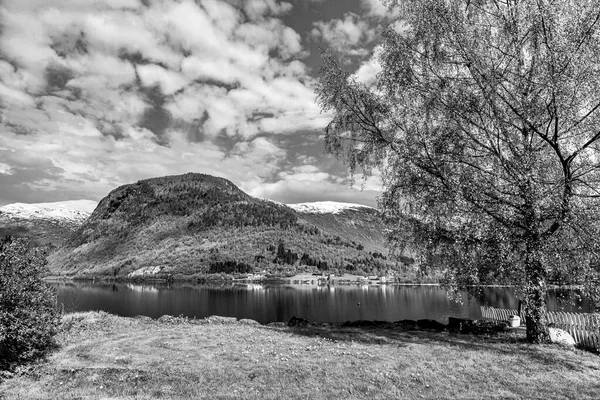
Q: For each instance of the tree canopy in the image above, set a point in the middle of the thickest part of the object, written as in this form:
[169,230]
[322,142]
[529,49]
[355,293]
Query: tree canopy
[485,125]
[29,316]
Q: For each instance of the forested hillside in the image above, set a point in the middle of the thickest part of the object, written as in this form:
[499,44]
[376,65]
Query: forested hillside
[196,224]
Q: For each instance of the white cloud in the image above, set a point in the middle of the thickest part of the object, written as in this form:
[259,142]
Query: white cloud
[169,81]
[289,45]
[307,182]
[113,71]
[206,69]
[304,173]
[373,182]
[257,160]
[15,97]
[368,70]
[300,191]
[224,16]
[74,79]
[257,9]
[190,26]
[5,169]
[100,164]
[348,35]
[376,8]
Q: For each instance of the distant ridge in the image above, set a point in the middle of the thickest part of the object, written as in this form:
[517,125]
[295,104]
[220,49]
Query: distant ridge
[76,210]
[326,207]
[44,223]
[82,205]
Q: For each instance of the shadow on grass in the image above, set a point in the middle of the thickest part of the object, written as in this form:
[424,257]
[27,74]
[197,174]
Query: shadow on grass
[507,343]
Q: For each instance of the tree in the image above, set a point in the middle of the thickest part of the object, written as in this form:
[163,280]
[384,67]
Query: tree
[29,317]
[485,124]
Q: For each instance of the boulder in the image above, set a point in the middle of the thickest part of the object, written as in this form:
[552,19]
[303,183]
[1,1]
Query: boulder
[430,324]
[362,323]
[462,325]
[561,337]
[298,322]
[406,324]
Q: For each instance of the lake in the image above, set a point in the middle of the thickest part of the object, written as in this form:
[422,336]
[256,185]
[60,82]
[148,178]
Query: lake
[270,303]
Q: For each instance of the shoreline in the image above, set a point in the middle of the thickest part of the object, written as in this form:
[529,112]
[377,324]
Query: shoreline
[276,280]
[299,279]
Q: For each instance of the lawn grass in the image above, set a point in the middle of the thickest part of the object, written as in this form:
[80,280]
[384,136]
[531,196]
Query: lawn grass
[109,357]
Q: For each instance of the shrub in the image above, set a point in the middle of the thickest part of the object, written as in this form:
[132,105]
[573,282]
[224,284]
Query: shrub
[229,267]
[29,316]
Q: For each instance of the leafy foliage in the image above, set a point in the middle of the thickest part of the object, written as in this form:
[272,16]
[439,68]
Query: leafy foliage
[229,267]
[484,122]
[29,317]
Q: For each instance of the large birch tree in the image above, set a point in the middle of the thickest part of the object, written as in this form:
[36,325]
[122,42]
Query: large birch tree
[485,125]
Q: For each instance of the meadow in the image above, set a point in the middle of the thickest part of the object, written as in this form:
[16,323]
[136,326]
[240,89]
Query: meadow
[105,356]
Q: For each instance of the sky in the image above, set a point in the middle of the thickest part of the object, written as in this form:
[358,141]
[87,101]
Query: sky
[95,94]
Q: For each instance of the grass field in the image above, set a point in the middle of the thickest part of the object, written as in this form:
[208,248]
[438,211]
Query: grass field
[102,356]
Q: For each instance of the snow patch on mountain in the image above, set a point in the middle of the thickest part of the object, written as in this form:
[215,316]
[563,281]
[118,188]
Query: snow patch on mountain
[67,211]
[82,205]
[326,207]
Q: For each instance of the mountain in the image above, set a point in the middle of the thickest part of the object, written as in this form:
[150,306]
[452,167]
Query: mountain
[44,223]
[356,222]
[327,207]
[196,224]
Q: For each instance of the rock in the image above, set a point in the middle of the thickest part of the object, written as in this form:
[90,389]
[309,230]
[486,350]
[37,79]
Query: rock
[561,337]
[406,324]
[430,324]
[217,319]
[145,318]
[361,323]
[246,321]
[462,325]
[298,322]
[277,324]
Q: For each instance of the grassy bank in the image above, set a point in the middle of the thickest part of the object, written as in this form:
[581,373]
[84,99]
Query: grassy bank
[105,356]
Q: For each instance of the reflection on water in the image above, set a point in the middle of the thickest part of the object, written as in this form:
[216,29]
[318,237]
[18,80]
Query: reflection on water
[268,303]
[138,288]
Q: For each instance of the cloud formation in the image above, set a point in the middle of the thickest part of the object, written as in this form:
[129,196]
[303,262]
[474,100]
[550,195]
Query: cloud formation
[368,70]
[99,93]
[377,8]
[348,35]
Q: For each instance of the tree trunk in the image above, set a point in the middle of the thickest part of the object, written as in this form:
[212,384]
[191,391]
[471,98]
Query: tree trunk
[535,297]
[537,325]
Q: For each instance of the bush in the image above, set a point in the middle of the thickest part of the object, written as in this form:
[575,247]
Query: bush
[229,267]
[29,316]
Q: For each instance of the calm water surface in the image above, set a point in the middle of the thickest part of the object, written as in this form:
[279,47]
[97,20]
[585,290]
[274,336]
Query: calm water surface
[268,303]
